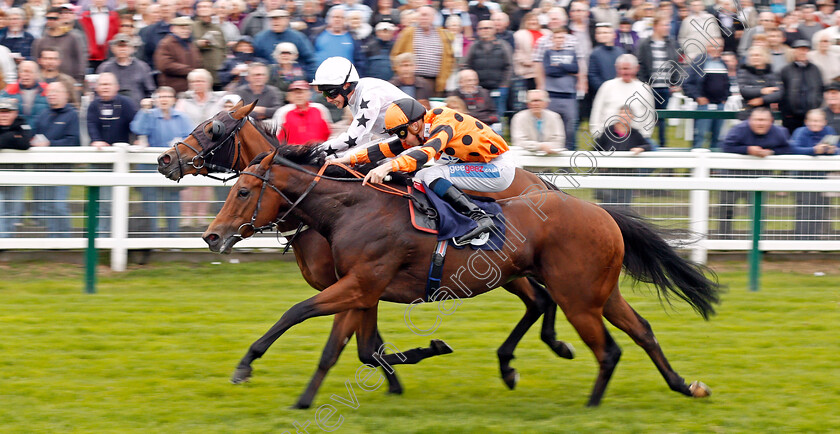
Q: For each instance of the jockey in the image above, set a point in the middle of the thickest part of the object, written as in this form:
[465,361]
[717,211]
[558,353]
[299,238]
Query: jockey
[471,156]
[368,98]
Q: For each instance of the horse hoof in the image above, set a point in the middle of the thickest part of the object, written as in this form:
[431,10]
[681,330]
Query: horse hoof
[241,375]
[440,347]
[511,378]
[398,390]
[300,406]
[699,389]
[564,349]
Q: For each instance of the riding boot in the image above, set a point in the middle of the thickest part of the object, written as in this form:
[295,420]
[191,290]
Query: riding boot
[464,205]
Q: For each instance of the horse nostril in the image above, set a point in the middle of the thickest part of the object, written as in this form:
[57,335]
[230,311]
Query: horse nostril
[165,160]
[212,238]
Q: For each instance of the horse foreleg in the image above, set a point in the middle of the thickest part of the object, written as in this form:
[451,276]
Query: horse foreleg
[344,324]
[342,296]
[372,348]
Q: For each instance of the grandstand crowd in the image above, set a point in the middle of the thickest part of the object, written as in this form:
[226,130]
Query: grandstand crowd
[98,72]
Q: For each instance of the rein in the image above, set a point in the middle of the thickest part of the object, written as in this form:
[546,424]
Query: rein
[228,126]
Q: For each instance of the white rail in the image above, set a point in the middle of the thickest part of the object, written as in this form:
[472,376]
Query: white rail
[569,171]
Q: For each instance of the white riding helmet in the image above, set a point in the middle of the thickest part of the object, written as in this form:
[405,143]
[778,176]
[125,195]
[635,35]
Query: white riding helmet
[335,71]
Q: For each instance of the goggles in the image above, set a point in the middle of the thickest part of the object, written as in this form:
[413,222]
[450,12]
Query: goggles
[331,92]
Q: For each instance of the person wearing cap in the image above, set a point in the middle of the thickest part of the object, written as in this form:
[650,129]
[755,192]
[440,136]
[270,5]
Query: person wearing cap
[100,24]
[209,39]
[231,72]
[832,105]
[602,60]
[301,122]
[378,51]
[69,42]
[265,41]
[177,55]
[368,99]
[625,37]
[136,80]
[803,87]
[14,134]
[470,154]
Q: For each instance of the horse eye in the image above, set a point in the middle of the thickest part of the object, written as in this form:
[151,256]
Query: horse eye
[244,192]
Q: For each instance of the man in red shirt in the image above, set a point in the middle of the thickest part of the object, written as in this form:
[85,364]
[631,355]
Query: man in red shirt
[301,122]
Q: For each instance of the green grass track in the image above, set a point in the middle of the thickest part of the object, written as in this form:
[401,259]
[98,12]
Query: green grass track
[153,350]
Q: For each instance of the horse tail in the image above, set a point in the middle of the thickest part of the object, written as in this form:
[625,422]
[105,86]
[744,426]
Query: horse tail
[649,258]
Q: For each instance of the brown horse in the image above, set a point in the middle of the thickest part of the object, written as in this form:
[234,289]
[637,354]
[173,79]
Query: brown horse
[209,149]
[573,247]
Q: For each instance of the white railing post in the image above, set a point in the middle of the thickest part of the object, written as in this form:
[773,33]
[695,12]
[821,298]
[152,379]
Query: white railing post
[119,211]
[699,205]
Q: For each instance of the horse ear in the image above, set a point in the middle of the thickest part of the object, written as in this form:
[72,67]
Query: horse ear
[237,106]
[241,112]
[266,162]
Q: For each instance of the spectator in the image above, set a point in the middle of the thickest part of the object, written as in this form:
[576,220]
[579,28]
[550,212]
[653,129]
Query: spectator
[108,119]
[492,59]
[502,24]
[335,41]
[455,103]
[385,13]
[477,98]
[432,47]
[710,90]
[456,8]
[16,39]
[225,10]
[803,89]
[809,25]
[790,26]
[603,57]
[561,67]
[231,72]
[406,79]
[377,50]
[766,22]
[538,129]
[483,9]
[266,40]
[30,93]
[811,217]
[460,41]
[177,55]
[154,33]
[209,39]
[623,90]
[302,122]
[161,125]
[69,42]
[699,27]
[603,12]
[525,40]
[137,82]
[758,84]
[347,6]
[625,37]
[58,126]
[825,13]
[311,21]
[287,69]
[620,136]
[268,97]
[14,134]
[8,69]
[780,54]
[259,20]
[358,29]
[832,105]
[756,136]
[833,32]
[100,24]
[50,63]
[35,11]
[655,55]
[827,58]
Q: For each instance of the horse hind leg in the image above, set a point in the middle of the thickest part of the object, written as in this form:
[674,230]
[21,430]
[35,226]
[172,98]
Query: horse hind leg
[619,313]
[548,334]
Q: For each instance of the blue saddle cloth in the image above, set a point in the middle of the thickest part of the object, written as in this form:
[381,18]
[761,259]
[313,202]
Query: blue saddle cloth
[452,224]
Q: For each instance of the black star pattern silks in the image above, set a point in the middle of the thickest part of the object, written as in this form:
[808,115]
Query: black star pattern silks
[362,120]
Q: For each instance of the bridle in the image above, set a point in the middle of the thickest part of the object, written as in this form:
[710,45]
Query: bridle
[222,132]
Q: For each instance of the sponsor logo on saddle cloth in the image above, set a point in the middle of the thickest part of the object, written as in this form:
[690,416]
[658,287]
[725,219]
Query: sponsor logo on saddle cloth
[474,170]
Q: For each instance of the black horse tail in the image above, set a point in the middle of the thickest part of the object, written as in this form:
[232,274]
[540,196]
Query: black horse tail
[649,258]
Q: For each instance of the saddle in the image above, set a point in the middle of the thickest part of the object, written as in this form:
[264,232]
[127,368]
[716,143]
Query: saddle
[424,216]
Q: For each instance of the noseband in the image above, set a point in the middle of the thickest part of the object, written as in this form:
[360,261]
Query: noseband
[222,131]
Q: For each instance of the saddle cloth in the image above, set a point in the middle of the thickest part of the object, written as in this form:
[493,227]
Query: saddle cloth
[433,215]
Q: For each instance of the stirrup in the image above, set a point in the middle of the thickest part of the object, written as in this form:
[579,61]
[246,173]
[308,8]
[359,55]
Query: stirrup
[480,240]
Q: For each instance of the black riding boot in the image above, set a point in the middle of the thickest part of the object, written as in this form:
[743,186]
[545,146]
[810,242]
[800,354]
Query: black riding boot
[462,203]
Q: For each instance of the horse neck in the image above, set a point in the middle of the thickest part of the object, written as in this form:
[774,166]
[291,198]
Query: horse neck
[252,144]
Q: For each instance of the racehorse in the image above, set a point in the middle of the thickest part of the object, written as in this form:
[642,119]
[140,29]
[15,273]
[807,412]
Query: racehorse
[575,248]
[228,141]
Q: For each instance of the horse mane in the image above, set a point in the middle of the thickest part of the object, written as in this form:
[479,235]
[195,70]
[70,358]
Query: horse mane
[268,131]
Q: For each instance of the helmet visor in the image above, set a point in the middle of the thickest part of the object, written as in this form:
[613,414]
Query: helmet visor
[330,92]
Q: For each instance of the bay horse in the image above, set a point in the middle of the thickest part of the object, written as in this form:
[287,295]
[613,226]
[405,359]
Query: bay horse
[209,150]
[575,248]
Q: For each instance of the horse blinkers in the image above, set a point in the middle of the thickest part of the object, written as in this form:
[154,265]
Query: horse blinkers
[217,130]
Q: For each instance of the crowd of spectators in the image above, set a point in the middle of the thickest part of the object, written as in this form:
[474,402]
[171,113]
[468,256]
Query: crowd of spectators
[162,66]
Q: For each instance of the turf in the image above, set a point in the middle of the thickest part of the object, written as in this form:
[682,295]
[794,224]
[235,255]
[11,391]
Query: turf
[153,350]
